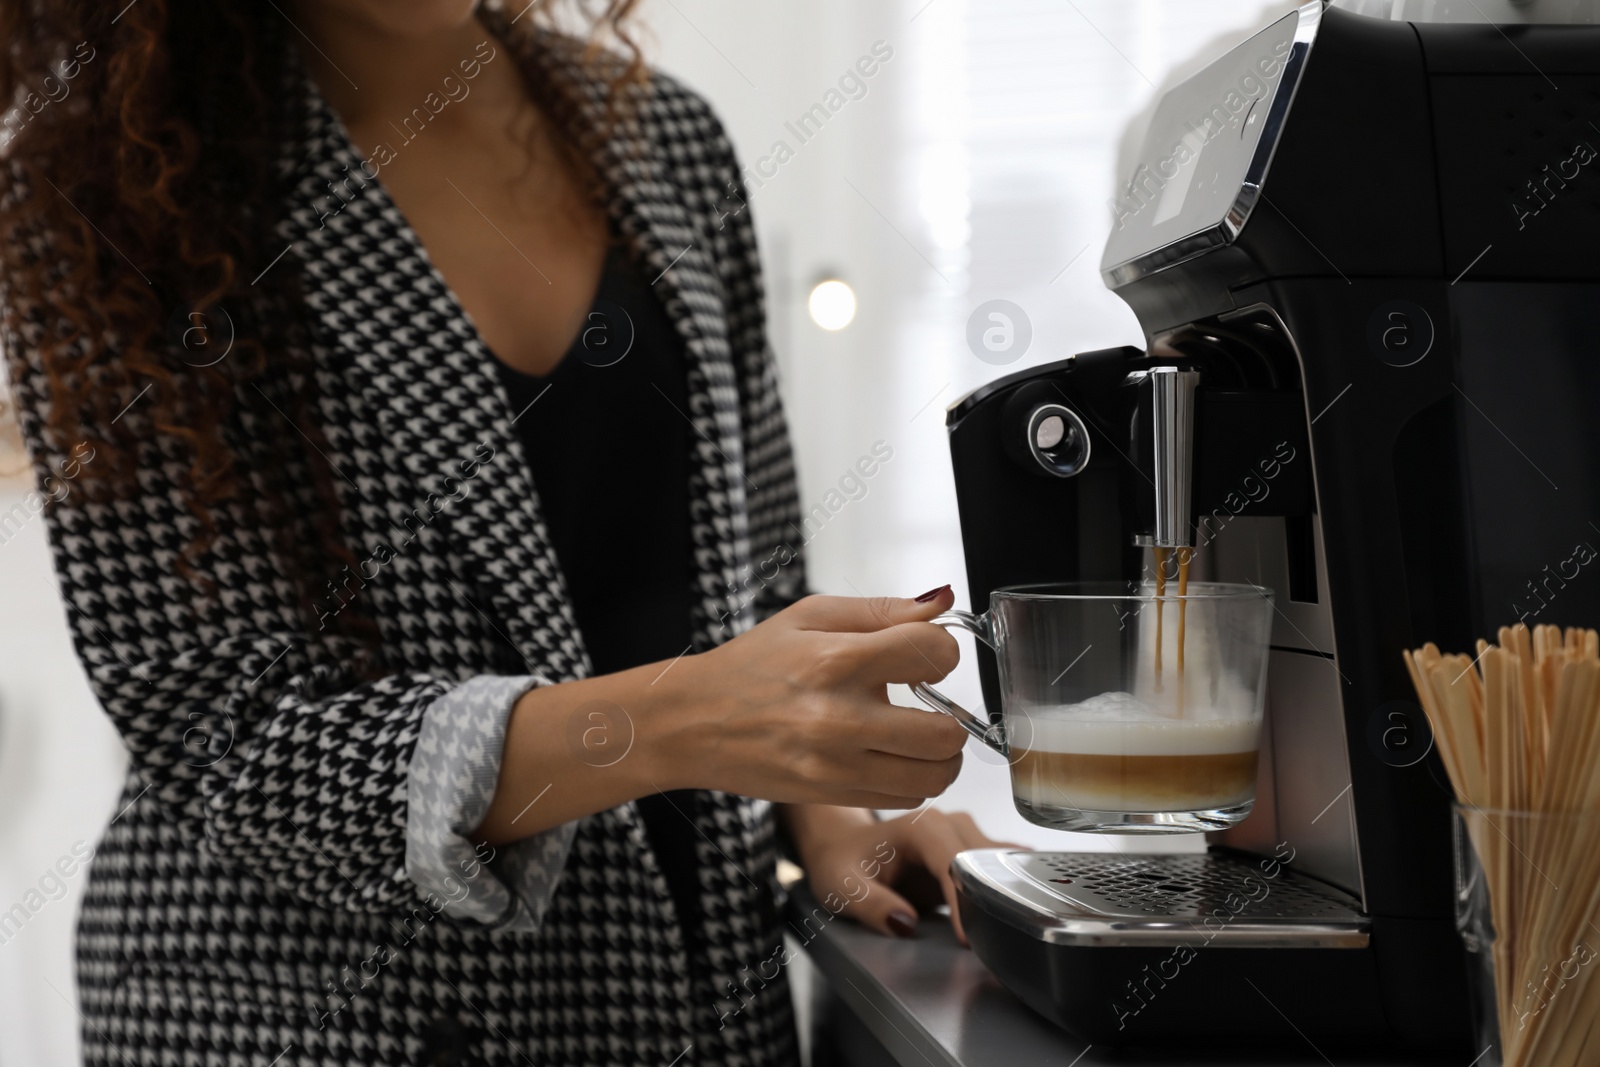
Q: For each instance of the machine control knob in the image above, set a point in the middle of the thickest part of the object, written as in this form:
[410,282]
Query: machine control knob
[1052,428]
[1058,440]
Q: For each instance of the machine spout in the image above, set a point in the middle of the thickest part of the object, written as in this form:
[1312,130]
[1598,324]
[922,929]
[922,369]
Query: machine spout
[1166,421]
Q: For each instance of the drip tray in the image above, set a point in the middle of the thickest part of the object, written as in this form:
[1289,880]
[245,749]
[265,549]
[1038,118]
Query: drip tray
[1219,898]
[1171,949]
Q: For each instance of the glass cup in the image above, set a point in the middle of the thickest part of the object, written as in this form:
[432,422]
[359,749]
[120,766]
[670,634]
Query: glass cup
[1528,908]
[1121,711]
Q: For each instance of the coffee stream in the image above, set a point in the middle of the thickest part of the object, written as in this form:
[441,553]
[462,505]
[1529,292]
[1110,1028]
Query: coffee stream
[1163,557]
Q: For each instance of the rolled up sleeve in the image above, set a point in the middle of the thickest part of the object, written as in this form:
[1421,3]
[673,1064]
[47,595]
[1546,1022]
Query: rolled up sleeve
[455,768]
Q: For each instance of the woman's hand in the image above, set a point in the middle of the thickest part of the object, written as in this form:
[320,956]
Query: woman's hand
[797,709]
[867,869]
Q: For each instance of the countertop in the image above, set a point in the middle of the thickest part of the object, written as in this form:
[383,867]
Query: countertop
[930,1003]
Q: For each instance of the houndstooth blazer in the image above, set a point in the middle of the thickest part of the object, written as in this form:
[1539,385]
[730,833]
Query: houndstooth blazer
[288,879]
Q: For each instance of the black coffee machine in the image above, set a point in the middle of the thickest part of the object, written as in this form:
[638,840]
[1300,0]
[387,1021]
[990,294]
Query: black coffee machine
[1364,255]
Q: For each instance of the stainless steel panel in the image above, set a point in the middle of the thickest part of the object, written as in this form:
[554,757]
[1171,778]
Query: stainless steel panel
[1253,549]
[1259,831]
[1304,795]
[1312,768]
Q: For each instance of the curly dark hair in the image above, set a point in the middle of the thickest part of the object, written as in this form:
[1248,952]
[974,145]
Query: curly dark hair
[141,149]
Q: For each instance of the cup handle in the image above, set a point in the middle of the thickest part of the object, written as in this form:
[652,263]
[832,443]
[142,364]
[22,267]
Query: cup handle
[990,734]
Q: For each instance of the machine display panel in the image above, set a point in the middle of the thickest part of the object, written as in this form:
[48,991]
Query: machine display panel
[1206,152]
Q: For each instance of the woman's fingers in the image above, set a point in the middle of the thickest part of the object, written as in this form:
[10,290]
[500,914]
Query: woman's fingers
[938,844]
[912,779]
[910,732]
[809,719]
[853,614]
[929,840]
[936,838]
[885,911]
[921,769]
[902,752]
[907,653]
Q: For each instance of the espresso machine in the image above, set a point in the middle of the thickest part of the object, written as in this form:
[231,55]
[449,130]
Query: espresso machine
[1362,252]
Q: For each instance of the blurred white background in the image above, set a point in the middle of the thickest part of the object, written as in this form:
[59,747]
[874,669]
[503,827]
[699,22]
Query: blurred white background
[976,167]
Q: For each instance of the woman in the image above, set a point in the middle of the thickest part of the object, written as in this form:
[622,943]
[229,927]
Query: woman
[463,664]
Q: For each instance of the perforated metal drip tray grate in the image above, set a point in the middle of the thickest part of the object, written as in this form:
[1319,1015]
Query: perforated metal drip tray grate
[1216,898]
[1193,886]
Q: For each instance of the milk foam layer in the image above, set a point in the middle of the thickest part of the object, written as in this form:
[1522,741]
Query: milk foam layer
[1120,724]
[1169,737]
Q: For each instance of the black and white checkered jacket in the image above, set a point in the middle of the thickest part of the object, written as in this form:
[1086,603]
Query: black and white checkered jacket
[288,879]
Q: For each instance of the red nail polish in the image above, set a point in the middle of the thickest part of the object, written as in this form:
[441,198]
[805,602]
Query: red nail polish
[903,923]
[932,594]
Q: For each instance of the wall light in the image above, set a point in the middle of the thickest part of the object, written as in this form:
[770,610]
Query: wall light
[832,304]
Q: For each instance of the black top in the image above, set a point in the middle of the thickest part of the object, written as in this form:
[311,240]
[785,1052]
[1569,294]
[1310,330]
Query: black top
[607,437]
